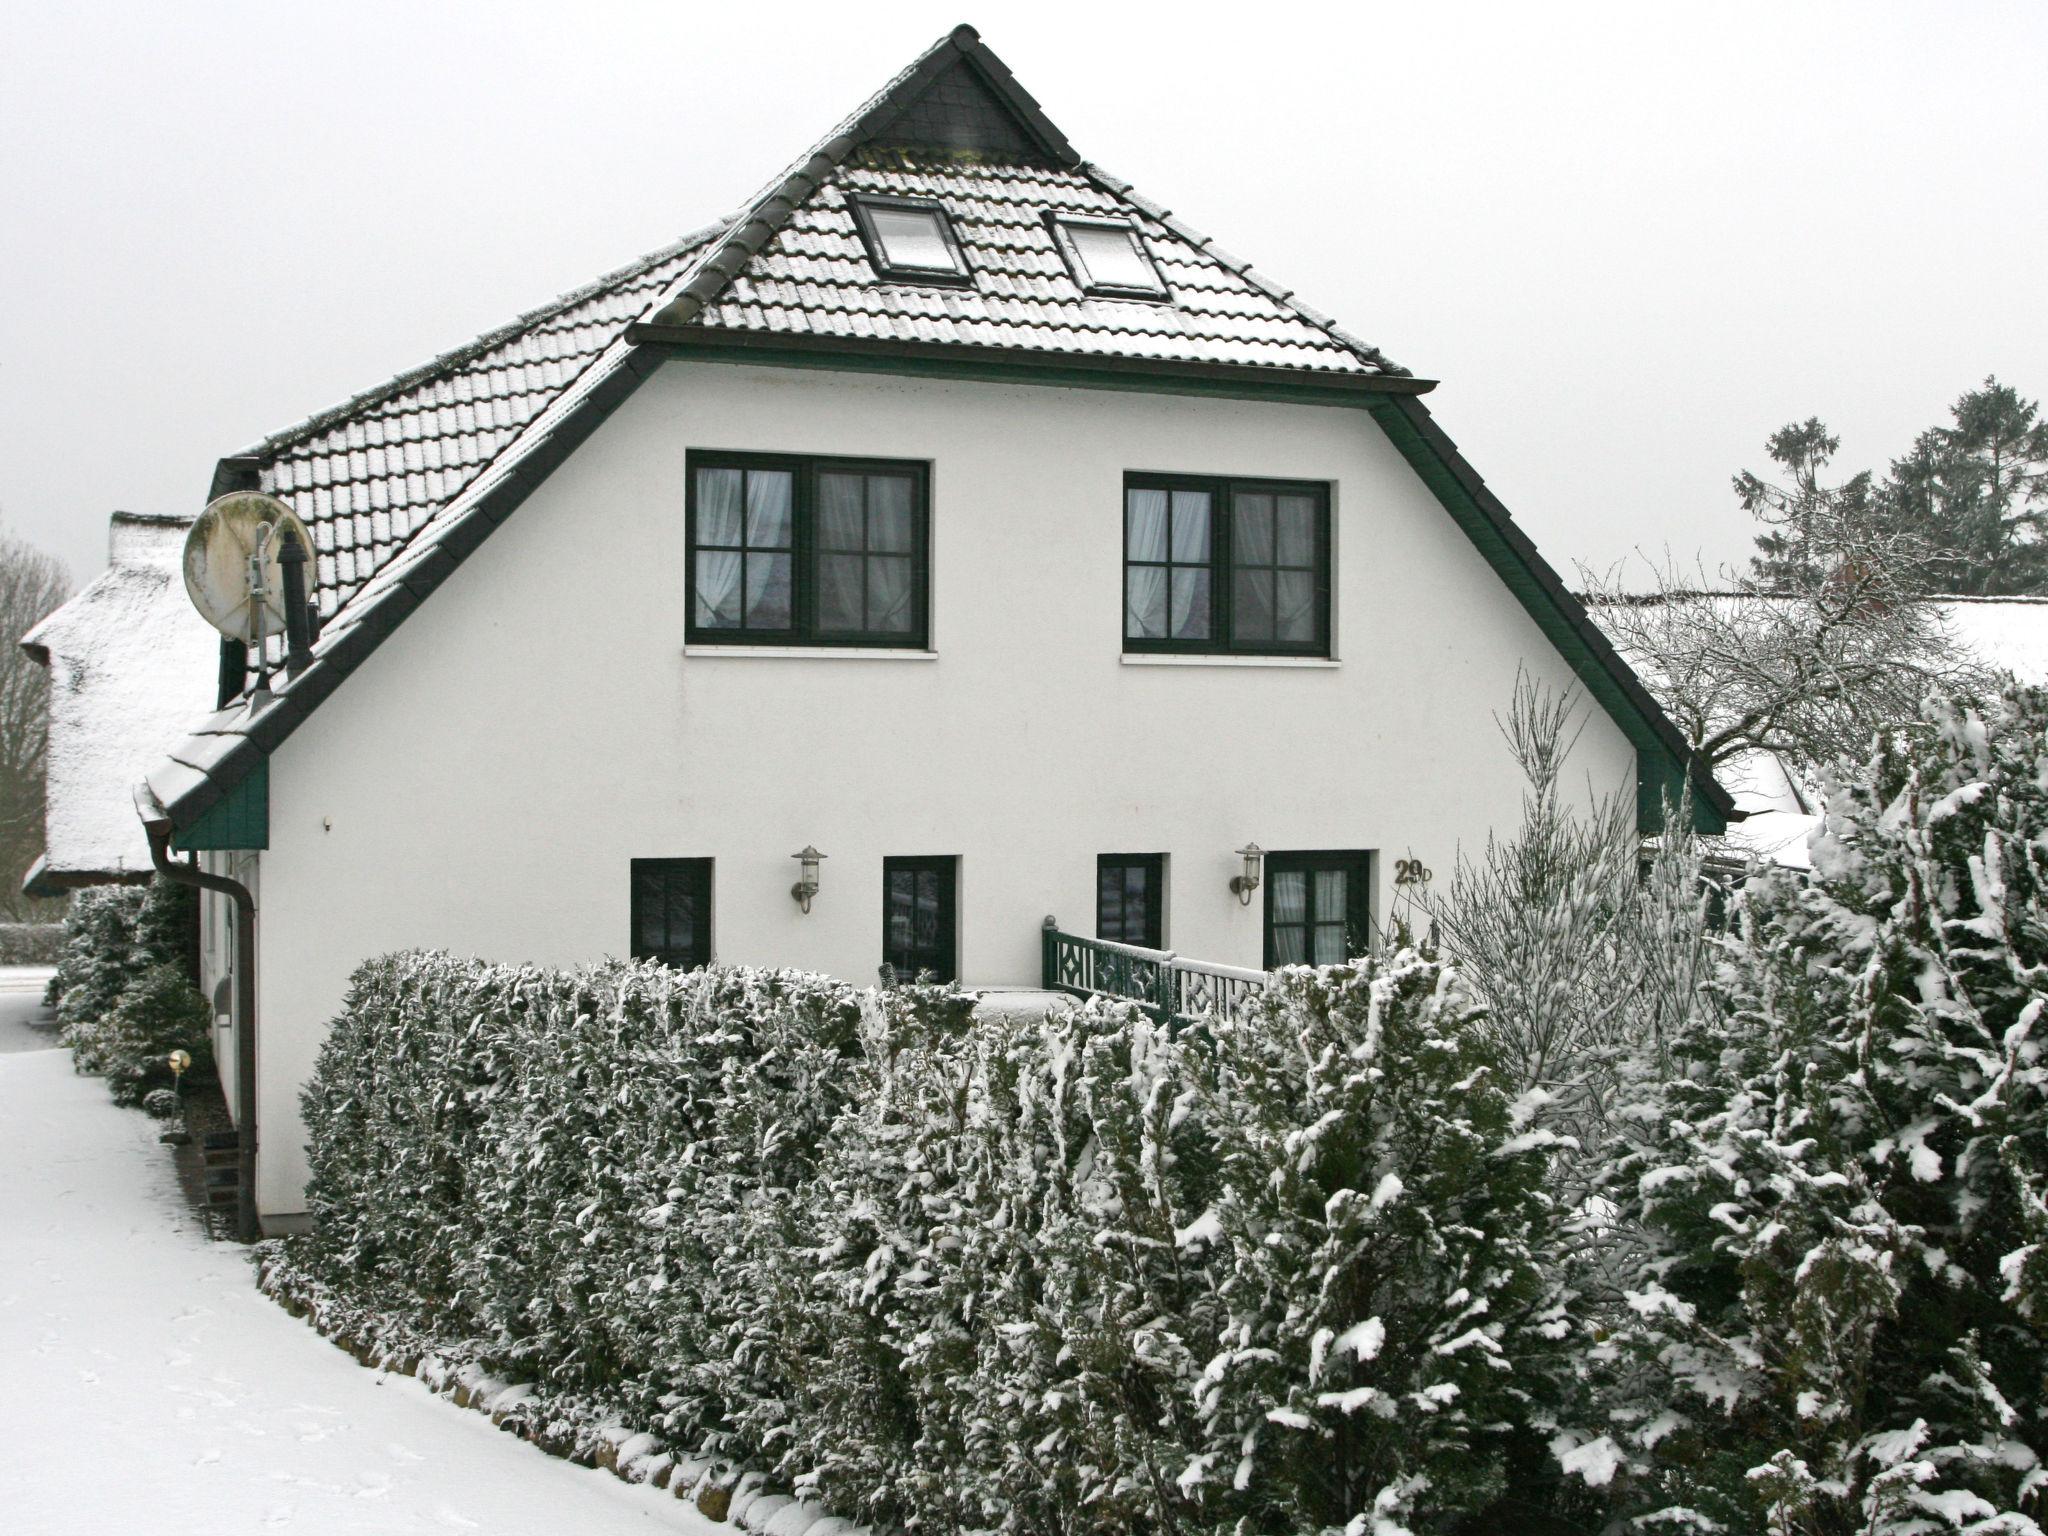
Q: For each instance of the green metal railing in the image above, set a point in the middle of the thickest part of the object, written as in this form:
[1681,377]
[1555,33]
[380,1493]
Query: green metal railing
[1173,986]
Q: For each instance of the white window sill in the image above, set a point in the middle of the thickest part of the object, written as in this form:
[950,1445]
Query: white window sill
[810,652]
[1167,659]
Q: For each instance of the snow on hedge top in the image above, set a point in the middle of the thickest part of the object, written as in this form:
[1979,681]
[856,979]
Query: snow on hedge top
[131,663]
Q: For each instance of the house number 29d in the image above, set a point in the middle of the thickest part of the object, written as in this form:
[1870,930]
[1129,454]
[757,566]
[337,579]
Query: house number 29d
[1410,872]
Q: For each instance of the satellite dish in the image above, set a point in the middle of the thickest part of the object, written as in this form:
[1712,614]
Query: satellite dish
[231,569]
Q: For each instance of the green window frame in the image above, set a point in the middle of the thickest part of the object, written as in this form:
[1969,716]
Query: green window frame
[671,912]
[788,549]
[920,916]
[1130,898]
[1226,565]
[1318,907]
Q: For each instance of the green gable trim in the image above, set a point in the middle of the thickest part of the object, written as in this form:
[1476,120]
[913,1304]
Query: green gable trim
[240,819]
[1661,758]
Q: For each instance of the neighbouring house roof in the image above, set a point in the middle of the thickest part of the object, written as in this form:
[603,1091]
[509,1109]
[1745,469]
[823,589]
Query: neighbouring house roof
[401,483]
[131,666]
[2006,634]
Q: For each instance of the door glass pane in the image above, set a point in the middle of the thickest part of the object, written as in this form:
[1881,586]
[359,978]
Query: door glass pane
[1253,616]
[839,591]
[769,494]
[768,591]
[840,522]
[1330,888]
[1145,602]
[1251,529]
[1297,530]
[890,521]
[718,506]
[1290,895]
[1294,617]
[1145,524]
[1191,526]
[1190,603]
[1290,944]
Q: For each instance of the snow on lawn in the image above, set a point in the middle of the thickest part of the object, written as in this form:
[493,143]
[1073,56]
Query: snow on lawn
[146,1386]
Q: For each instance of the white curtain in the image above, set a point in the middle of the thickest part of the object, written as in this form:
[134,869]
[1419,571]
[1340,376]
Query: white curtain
[889,582]
[768,502]
[718,588]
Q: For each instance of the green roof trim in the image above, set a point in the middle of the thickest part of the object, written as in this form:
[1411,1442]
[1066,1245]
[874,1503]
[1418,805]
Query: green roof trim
[1665,770]
[239,820]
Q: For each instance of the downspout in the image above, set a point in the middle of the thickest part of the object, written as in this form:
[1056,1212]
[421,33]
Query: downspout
[158,825]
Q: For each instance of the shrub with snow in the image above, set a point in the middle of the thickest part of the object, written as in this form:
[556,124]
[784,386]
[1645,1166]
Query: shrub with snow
[1839,1318]
[121,940]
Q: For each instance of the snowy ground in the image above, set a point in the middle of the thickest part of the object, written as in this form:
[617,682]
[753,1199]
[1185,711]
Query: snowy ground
[25,1024]
[146,1387]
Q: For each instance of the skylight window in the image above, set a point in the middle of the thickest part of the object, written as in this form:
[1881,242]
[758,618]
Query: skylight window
[1108,258]
[911,241]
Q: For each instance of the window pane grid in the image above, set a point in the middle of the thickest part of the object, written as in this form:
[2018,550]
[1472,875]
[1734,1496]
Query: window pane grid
[1226,566]
[671,911]
[1130,898]
[814,550]
[1316,907]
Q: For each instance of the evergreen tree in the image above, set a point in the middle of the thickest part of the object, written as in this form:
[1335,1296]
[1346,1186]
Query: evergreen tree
[1810,529]
[1976,492]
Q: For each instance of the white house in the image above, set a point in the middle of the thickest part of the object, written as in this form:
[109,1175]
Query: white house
[950,509]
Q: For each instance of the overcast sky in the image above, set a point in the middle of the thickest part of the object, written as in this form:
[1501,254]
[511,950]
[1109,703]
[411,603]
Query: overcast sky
[1630,240]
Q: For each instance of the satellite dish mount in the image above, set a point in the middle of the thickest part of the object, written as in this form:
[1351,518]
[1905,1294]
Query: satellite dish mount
[245,564]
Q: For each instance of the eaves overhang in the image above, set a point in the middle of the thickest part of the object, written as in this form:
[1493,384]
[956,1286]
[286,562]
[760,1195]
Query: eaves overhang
[1021,366]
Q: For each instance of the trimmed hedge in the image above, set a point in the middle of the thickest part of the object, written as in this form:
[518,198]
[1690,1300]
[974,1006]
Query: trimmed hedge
[946,1273]
[31,943]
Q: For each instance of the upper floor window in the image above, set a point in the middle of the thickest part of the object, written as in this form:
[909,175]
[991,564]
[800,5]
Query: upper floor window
[1226,565]
[910,240]
[1108,258]
[807,551]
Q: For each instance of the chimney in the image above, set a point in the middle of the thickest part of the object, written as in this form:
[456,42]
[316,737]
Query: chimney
[298,628]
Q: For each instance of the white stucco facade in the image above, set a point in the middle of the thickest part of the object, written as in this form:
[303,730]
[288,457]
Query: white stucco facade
[483,780]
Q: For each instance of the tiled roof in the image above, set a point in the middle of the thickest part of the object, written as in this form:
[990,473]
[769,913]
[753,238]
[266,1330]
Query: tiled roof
[368,474]
[814,277]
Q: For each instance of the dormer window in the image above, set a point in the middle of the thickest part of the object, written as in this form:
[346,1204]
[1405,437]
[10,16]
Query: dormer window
[910,241]
[1108,259]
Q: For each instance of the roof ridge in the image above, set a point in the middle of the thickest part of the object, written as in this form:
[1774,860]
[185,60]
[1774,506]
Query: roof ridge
[758,222]
[472,349]
[1118,187]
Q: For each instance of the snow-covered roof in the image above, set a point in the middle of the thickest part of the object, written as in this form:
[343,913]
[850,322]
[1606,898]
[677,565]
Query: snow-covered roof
[131,665]
[2008,634]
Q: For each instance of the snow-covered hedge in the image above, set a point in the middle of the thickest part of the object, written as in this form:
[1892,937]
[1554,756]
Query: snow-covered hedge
[950,1273]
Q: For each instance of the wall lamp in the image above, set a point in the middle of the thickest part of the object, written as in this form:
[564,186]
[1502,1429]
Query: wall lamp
[807,882]
[1254,860]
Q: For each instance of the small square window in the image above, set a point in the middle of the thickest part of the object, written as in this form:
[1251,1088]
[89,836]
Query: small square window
[1108,258]
[911,241]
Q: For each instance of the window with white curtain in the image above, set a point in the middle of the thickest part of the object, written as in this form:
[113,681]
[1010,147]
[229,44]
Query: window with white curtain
[1226,565]
[1318,907]
[807,551]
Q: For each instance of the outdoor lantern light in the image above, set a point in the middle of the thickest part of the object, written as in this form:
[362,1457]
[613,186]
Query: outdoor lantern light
[179,1062]
[807,883]
[1254,859]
